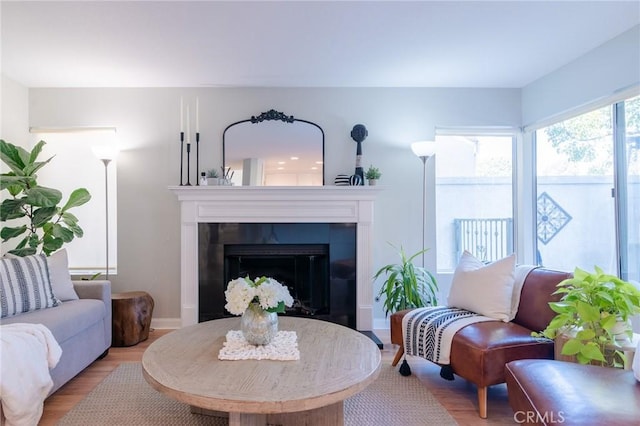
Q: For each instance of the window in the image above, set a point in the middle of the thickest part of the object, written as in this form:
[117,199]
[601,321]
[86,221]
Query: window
[628,125]
[588,191]
[474,197]
[75,166]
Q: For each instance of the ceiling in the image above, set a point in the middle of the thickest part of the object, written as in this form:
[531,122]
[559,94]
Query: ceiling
[301,43]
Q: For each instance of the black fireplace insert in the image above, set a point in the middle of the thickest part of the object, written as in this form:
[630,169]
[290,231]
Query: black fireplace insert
[315,261]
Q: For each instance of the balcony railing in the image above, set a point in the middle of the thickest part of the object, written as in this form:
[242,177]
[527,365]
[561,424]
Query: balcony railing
[487,239]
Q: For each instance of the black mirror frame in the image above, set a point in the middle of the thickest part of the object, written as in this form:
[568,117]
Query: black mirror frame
[271,115]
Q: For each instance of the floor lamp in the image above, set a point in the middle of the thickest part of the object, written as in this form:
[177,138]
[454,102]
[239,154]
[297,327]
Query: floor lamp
[106,154]
[424,150]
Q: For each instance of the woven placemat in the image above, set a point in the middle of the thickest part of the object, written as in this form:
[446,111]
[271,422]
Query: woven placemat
[283,347]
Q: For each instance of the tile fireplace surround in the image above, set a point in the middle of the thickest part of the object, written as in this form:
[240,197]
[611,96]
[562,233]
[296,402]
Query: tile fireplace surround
[275,204]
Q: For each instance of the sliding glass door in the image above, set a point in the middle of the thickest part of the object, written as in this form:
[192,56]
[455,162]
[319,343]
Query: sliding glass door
[628,141]
[588,191]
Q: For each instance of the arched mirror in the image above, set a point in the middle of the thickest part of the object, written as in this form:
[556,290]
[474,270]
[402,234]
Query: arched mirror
[274,149]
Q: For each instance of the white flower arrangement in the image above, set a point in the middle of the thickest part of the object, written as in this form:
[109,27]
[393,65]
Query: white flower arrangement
[269,293]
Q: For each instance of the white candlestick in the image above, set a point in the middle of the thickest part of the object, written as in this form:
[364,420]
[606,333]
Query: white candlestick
[197,115]
[188,126]
[181,115]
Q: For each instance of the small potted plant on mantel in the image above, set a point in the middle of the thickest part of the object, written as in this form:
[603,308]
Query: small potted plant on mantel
[212,177]
[372,174]
[593,318]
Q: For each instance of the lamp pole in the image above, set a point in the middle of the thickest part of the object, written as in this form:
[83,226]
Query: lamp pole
[424,150]
[106,162]
[424,159]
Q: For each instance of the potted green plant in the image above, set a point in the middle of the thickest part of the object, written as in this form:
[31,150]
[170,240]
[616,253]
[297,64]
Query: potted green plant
[42,222]
[593,315]
[372,174]
[406,285]
[212,177]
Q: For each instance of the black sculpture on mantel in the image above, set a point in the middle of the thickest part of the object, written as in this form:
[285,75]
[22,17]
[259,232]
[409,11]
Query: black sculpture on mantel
[359,133]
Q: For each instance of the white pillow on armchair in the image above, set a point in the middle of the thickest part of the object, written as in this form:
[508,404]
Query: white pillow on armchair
[484,289]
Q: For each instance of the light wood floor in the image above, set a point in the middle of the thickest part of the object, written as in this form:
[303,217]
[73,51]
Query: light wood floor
[458,396]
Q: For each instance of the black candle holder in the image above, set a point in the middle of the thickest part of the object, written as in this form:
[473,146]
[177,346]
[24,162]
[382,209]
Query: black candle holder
[197,158]
[181,154]
[188,163]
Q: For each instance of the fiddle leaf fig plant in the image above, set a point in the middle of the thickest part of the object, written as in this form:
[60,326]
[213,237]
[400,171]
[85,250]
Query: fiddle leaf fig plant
[41,222]
[593,314]
[406,285]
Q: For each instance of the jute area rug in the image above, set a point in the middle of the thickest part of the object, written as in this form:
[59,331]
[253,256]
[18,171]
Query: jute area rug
[125,398]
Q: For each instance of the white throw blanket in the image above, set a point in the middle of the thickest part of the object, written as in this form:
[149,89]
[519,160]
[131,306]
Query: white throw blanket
[428,332]
[27,352]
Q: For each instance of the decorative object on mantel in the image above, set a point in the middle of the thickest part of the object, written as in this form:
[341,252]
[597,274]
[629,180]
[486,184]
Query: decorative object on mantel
[258,302]
[359,133]
[212,177]
[346,180]
[274,149]
[342,180]
[283,347]
[372,174]
[188,139]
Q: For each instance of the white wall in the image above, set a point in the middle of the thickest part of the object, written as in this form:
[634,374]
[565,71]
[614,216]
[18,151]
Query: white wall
[609,69]
[14,112]
[14,127]
[147,122]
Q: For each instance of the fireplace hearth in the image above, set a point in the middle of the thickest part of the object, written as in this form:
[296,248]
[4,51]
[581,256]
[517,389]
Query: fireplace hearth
[315,261]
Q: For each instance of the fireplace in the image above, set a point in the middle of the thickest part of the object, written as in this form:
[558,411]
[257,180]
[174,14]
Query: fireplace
[315,261]
[350,207]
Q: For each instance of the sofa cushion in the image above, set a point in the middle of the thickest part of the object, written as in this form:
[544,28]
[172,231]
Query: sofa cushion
[59,275]
[65,320]
[483,289]
[25,285]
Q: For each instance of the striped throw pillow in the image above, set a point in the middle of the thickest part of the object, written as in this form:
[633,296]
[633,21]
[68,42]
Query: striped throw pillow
[25,285]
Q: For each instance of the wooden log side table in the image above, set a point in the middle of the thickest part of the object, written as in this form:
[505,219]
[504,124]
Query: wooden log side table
[131,317]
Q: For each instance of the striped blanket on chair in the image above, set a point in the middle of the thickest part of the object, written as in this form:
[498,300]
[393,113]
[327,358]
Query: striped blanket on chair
[428,332]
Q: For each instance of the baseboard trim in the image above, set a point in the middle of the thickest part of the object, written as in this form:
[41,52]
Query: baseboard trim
[166,323]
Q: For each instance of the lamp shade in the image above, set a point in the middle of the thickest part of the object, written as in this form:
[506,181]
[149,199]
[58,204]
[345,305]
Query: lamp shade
[424,148]
[105,152]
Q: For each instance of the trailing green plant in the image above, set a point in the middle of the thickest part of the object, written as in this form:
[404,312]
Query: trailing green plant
[372,173]
[406,285]
[48,225]
[591,308]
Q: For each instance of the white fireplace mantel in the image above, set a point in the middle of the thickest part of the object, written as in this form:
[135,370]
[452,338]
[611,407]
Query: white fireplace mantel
[276,204]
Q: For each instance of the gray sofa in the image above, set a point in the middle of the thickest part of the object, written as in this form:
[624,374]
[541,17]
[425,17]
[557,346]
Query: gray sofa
[81,327]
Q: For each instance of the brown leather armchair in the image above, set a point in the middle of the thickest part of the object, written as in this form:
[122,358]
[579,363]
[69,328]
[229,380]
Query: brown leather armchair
[480,351]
